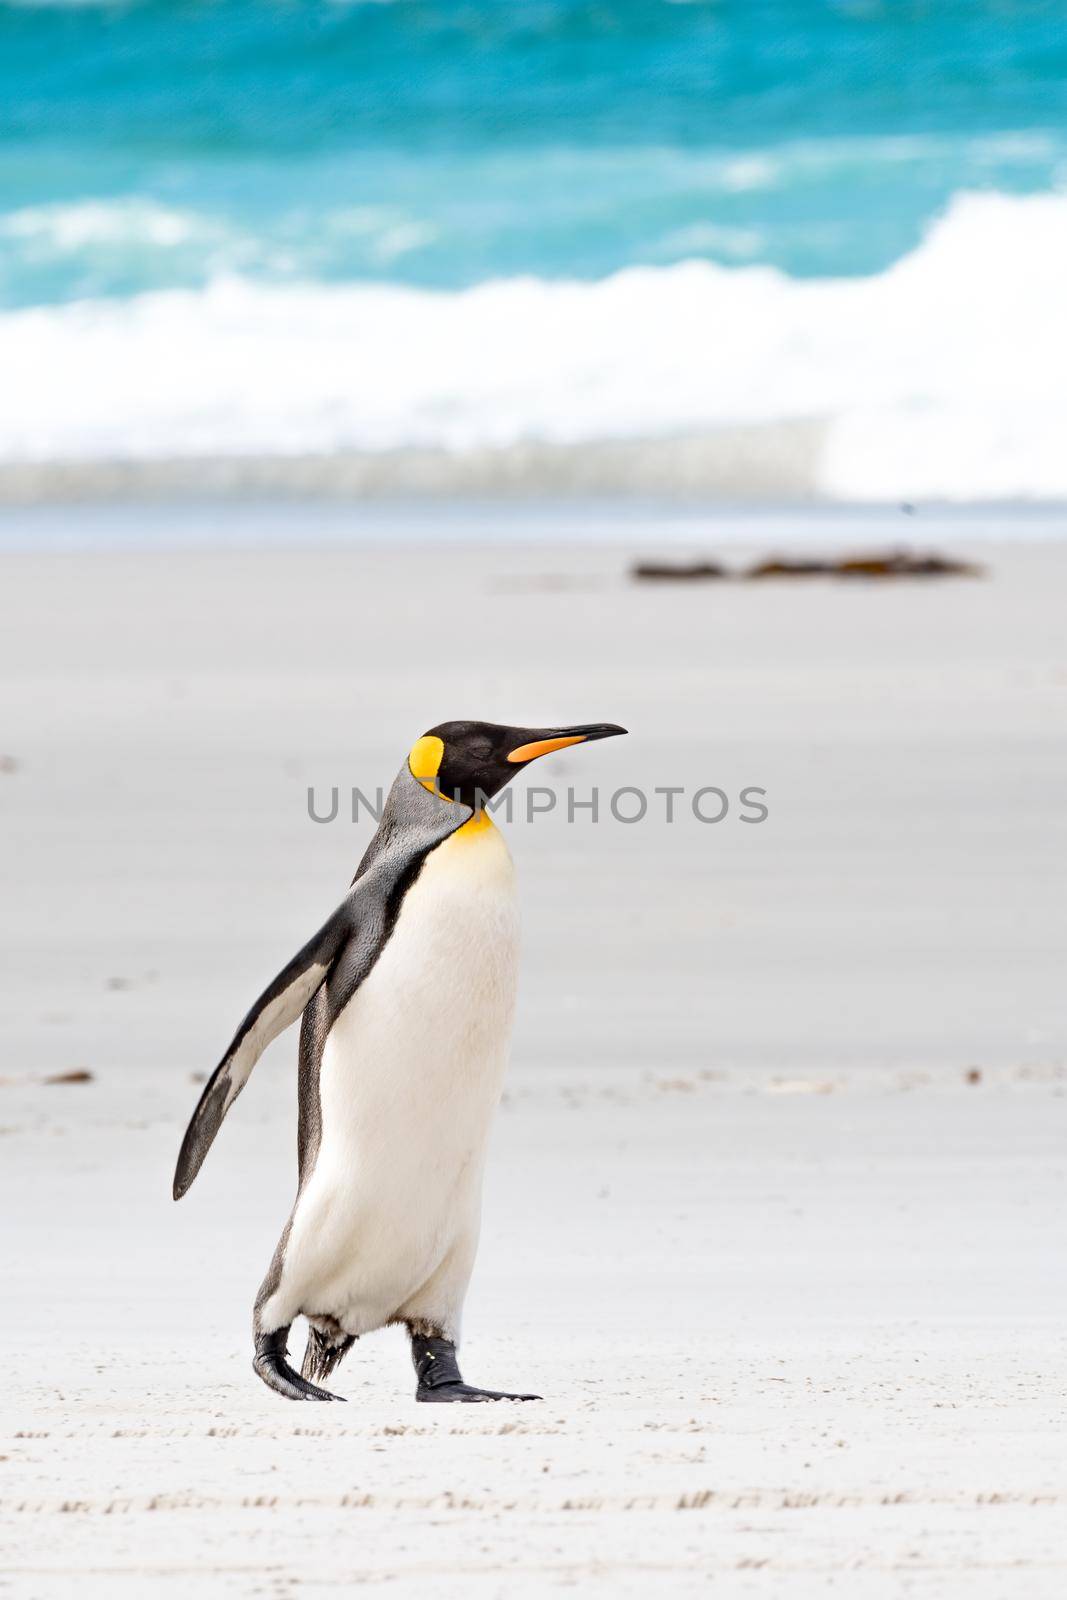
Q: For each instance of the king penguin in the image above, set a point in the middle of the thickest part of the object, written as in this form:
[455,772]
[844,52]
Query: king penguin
[407,993]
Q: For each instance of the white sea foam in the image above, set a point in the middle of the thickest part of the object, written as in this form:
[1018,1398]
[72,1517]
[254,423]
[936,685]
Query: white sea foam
[90,222]
[942,376]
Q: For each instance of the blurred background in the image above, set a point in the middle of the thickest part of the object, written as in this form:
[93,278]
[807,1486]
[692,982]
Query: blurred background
[725,249]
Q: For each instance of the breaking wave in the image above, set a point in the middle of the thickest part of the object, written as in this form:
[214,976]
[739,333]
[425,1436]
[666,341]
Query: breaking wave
[941,377]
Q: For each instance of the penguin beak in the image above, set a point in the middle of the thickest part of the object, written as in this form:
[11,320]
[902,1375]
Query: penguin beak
[545,741]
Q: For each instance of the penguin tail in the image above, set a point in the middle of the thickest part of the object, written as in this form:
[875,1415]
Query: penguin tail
[324,1352]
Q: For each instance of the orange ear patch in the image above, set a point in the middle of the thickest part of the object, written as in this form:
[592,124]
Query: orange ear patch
[544,747]
[424,759]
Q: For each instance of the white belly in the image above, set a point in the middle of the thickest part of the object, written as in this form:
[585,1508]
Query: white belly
[387,1223]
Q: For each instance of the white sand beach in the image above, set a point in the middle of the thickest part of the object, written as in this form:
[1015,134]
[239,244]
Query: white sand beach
[774,1216]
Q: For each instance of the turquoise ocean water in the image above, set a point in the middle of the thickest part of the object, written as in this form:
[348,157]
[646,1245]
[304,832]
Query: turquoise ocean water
[468,223]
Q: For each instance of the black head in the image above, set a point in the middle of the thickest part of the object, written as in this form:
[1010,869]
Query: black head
[472,761]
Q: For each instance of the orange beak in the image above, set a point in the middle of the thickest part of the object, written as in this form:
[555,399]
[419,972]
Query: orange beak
[560,740]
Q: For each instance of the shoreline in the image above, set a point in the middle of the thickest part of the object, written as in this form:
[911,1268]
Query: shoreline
[761,461]
[636,525]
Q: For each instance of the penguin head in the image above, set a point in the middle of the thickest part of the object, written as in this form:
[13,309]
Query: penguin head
[472,761]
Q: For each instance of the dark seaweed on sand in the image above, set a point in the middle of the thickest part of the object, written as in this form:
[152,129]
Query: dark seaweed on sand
[880,564]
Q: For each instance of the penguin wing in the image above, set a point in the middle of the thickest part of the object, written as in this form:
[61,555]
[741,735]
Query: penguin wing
[413,822]
[279,1005]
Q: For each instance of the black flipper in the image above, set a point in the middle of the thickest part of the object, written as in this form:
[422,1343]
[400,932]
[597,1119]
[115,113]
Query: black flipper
[272,1365]
[279,1005]
[413,822]
[440,1380]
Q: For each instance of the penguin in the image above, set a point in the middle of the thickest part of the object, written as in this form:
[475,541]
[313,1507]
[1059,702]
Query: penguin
[407,994]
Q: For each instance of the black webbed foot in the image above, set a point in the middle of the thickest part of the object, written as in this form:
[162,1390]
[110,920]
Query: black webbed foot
[272,1366]
[440,1380]
[465,1392]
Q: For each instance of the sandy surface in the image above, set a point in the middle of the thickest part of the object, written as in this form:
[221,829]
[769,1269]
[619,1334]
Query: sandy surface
[792,1285]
